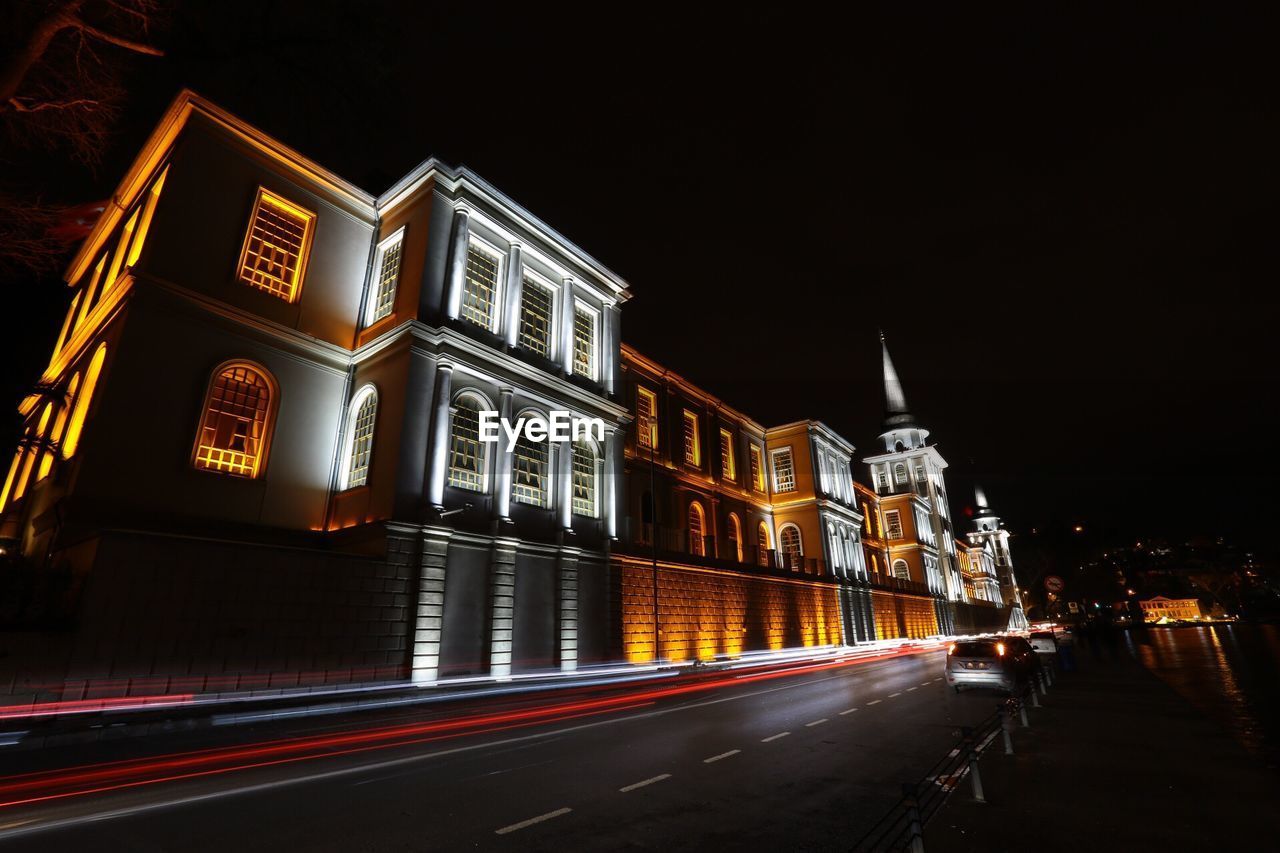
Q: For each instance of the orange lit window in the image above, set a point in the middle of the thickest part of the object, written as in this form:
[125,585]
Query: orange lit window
[8,480]
[728,462]
[735,536]
[81,408]
[59,428]
[144,223]
[763,544]
[789,544]
[697,530]
[90,292]
[692,441]
[893,524]
[35,439]
[67,324]
[646,419]
[235,431]
[757,469]
[276,246]
[784,471]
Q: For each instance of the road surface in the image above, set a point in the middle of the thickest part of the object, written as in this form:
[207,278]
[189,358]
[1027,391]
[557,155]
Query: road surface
[803,760]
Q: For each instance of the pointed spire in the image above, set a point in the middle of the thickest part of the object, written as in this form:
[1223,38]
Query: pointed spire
[980,497]
[895,400]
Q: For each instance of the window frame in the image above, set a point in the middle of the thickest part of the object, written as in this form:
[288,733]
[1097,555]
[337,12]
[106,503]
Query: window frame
[304,248]
[892,521]
[729,463]
[733,530]
[393,240]
[367,391]
[696,509]
[773,465]
[263,456]
[544,499]
[596,462]
[644,393]
[782,532]
[756,460]
[689,416]
[589,310]
[499,276]
[483,455]
[529,274]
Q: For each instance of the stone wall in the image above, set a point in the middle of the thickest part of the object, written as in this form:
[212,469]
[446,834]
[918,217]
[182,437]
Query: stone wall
[706,612]
[902,616]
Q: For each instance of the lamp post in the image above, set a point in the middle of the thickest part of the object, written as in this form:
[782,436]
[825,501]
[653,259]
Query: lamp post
[653,534]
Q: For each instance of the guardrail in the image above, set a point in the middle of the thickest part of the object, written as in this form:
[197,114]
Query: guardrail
[902,827]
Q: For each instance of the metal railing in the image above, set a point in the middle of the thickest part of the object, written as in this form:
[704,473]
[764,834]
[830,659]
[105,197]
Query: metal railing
[902,827]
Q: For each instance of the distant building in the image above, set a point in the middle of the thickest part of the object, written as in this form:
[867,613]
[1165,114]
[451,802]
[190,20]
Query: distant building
[1155,609]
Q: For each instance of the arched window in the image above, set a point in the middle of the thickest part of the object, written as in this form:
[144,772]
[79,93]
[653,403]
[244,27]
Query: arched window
[791,547]
[76,424]
[362,414]
[59,428]
[697,530]
[735,536]
[235,432]
[837,559]
[901,571]
[35,439]
[584,479]
[900,473]
[466,452]
[529,466]
[763,544]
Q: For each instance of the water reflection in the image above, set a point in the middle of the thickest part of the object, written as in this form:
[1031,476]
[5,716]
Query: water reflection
[1230,672]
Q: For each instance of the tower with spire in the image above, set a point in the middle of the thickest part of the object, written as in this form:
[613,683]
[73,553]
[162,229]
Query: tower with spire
[989,533]
[907,475]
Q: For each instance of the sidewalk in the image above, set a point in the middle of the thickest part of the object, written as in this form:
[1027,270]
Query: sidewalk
[1114,760]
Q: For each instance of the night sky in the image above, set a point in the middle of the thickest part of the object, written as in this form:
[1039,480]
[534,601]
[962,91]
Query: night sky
[1064,222]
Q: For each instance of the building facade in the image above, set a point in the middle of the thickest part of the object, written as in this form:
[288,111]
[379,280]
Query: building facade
[256,452]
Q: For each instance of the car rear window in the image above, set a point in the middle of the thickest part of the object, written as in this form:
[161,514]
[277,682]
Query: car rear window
[975,650]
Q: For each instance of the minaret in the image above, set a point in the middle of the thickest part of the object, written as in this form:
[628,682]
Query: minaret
[907,475]
[987,530]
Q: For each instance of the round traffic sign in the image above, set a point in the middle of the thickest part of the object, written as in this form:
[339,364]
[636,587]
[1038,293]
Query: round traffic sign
[1053,583]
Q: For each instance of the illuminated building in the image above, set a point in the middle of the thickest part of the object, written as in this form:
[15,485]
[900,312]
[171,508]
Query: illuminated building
[1160,607]
[990,536]
[254,453]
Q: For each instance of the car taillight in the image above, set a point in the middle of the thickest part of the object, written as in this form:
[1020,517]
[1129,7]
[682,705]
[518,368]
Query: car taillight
[951,649]
[1000,649]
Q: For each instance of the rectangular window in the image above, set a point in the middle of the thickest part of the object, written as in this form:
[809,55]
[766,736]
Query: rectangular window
[529,472]
[480,290]
[274,257]
[784,472]
[882,478]
[728,464]
[536,304]
[386,271]
[893,524]
[646,419]
[584,342]
[584,481]
[692,441]
[466,455]
[757,469]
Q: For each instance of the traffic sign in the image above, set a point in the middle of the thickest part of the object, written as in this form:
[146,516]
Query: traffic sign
[1053,583]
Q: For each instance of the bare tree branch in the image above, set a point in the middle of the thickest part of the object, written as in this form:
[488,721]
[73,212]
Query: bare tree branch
[127,44]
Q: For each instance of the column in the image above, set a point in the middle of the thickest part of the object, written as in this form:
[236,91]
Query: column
[609,348]
[564,484]
[428,623]
[567,582]
[515,285]
[502,606]
[566,326]
[457,272]
[503,457]
[438,455]
[612,482]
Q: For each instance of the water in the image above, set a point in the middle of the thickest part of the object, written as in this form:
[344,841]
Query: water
[1230,672]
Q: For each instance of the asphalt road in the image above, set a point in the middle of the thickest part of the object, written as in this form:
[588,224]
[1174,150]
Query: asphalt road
[803,762]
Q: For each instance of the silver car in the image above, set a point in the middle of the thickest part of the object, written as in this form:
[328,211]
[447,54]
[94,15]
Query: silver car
[996,662]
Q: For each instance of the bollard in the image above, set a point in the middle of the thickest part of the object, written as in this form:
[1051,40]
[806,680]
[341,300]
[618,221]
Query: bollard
[913,816]
[1043,682]
[1022,709]
[1035,699]
[971,759]
[1005,725]
[1048,673]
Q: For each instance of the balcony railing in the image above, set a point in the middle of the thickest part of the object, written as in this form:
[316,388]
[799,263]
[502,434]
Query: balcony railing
[675,544]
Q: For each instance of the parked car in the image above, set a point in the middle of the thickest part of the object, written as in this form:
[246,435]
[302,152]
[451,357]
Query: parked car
[1044,642]
[1004,663]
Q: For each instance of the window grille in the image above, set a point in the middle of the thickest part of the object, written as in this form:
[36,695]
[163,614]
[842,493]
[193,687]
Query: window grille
[728,464]
[893,524]
[646,419]
[235,423]
[529,472]
[362,441]
[479,292]
[692,443]
[789,544]
[388,273]
[697,531]
[466,455]
[584,342]
[584,479]
[275,249]
[784,474]
[536,304]
[757,469]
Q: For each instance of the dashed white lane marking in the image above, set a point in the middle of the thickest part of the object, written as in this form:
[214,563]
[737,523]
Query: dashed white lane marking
[774,737]
[874,702]
[909,689]
[936,680]
[531,821]
[927,683]
[815,723]
[849,711]
[648,781]
[720,756]
[894,695]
